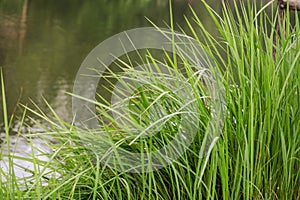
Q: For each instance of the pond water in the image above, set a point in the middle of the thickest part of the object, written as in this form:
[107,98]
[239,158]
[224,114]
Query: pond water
[42,43]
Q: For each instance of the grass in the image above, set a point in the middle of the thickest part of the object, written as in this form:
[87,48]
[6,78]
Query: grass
[257,156]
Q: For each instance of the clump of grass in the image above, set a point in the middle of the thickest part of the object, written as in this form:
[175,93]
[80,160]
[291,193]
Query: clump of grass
[257,154]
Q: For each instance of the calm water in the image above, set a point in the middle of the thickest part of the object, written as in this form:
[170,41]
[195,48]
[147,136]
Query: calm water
[42,43]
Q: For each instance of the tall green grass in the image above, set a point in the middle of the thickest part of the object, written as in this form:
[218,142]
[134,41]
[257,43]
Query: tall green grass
[257,155]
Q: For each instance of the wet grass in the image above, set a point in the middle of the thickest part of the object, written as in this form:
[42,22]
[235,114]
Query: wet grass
[257,155]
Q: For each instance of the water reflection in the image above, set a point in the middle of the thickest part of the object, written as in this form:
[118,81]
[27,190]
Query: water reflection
[42,43]
[23,156]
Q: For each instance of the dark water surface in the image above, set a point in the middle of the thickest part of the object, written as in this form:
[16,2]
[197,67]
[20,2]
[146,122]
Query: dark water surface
[42,43]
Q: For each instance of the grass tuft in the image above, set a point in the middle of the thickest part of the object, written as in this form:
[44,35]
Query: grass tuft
[255,157]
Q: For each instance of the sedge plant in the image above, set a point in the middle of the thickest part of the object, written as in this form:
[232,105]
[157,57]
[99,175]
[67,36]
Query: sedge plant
[257,154]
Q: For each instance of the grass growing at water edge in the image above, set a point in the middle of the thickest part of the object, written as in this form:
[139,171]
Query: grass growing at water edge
[257,155]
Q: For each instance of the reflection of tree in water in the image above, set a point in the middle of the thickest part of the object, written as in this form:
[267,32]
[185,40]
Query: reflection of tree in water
[23,26]
[12,36]
[8,33]
[13,28]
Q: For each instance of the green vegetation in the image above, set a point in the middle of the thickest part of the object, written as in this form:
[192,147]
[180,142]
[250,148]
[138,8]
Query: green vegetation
[257,156]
